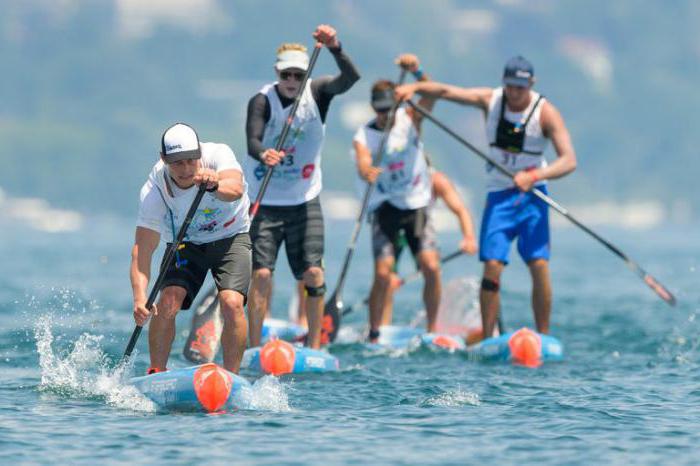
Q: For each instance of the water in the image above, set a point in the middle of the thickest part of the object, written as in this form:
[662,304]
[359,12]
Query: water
[628,391]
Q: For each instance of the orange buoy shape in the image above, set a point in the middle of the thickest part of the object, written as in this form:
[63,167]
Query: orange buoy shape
[446,342]
[212,385]
[277,357]
[526,347]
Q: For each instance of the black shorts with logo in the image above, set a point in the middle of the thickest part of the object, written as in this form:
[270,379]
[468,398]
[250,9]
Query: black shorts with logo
[301,229]
[229,260]
[393,227]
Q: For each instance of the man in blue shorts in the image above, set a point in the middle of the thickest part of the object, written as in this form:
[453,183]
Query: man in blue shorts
[519,123]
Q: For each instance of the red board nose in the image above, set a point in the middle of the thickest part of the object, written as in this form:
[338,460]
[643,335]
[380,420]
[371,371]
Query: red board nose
[212,385]
[526,348]
[277,357]
[444,341]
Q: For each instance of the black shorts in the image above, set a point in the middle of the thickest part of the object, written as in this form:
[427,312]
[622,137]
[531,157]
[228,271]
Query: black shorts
[301,229]
[229,260]
[390,223]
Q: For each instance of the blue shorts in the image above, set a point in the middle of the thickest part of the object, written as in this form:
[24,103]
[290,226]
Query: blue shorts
[509,214]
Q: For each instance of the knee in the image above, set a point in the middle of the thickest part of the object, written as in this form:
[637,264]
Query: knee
[262,276]
[313,276]
[231,305]
[493,269]
[171,299]
[383,276]
[431,269]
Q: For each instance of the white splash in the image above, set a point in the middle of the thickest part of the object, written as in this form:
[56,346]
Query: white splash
[84,371]
[453,399]
[266,394]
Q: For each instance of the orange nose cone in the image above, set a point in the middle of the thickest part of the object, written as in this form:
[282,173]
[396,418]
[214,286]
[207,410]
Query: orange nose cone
[443,341]
[526,348]
[212,385]
[277,357]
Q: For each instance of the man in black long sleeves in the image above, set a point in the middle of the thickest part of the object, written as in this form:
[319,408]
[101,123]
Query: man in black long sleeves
[290,210]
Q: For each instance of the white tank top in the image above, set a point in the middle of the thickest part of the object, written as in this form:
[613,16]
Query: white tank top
[297,179]
[164,206]
[533,147]
[405,180]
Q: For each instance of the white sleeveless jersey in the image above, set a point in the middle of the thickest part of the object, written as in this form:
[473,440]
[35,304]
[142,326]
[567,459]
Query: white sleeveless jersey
[164,206]
[533,147]
[297,179]
[405,180]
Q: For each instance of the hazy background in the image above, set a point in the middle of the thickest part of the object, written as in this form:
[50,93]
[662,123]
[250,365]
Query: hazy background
[88,87]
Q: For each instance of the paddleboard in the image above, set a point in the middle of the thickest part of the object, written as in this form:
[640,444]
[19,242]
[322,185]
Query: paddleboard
[204,388]
[525,347]
[279,357]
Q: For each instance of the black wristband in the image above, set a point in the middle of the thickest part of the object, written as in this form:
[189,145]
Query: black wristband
[337,49]
[213,188]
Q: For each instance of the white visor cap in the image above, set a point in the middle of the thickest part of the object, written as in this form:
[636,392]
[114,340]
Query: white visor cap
[292,59]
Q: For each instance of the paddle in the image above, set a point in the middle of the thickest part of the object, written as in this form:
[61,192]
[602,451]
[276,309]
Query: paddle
[169,255]
[202,323]
[332,310]
[285,131]
[653,283]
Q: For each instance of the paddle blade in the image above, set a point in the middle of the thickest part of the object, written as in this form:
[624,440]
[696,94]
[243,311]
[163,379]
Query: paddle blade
[331,320]
[660,290]
[205,333]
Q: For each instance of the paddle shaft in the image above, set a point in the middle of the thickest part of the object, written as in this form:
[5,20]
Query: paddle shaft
[654,284]
[365,199]
[169,255]
[410,278]
[285,130]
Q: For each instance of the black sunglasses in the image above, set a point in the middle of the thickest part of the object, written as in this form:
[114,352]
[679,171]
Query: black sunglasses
[297,75]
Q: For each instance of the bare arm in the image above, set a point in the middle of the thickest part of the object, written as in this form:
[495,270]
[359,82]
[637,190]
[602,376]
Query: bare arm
[145,243]
[363,158]
[230,185]
[474,96]
[447,192]
[554,128]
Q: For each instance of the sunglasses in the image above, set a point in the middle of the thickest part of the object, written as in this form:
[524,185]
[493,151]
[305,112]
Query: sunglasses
[297,75]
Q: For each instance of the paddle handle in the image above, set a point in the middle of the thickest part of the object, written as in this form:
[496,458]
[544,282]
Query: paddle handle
[285,130]
[167,260]
[650,281]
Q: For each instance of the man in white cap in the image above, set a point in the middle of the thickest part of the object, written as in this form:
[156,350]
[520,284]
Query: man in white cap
[519,123]
[290,210]
[216,240]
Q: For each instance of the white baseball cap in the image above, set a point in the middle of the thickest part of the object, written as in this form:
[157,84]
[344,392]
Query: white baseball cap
[180,142]
[292,59]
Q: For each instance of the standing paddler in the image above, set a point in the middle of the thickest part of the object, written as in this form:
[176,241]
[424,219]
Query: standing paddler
[401,196]
[216,240]
[290,210]
[519,123]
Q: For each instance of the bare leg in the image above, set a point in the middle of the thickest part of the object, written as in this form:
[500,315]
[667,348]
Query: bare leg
[541,293]
[235,333]
[377,297]
[313,278]
[388,309]
[429,262]
[258,303]
[301,311]
[161,330]
[490,300]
